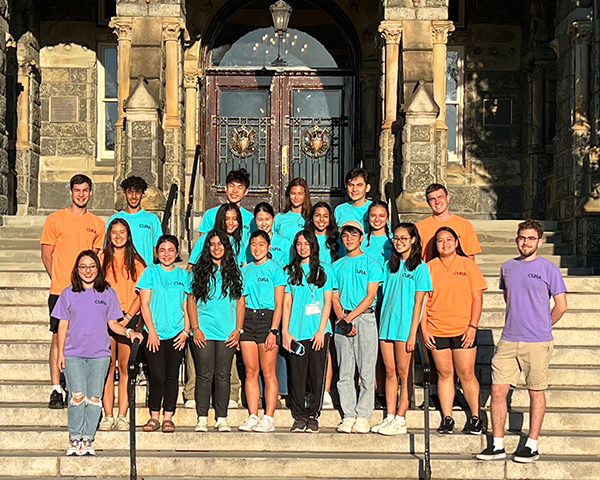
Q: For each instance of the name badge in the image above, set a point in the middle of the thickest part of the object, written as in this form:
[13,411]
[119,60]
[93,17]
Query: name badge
[313,308]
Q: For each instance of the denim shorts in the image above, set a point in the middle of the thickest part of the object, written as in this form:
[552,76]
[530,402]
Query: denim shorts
[257,324]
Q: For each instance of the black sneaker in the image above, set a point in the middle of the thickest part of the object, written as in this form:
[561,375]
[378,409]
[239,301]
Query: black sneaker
[490,454]
[312,425]
[299,425]
[446,426]
[474,426]
[525,455]
[56,400]
[434,403]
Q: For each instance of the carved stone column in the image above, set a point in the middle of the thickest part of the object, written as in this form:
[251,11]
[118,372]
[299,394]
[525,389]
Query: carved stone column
[191,96]
[25,71]
[581,33]
[172,29]
[391,31]
[536,141]
[440,31]
[123,27]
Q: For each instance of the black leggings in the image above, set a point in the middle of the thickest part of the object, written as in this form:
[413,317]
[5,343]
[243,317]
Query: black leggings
[164,372]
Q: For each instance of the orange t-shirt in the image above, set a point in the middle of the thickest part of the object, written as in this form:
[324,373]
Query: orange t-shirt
[449,305]
[69,234]
[463,228]
[122,282]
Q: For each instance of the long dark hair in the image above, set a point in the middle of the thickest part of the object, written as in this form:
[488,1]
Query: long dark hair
[220,222]
[100,283]
[459,250]
[131,254]
[316,275]
[264,207]
[414,259]
[332,233]
[171,239]
[377,203]
[205,269]
[306,205]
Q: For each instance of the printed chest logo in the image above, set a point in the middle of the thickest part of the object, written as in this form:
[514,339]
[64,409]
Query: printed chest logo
[360,272]
[100,302]
[143,225]
[262,279]
[462,274]
[180,284]
[408,275]
[91,230]
[276,249]
[533,275]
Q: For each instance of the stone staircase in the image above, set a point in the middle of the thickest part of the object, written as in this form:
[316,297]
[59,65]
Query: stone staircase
[33,438]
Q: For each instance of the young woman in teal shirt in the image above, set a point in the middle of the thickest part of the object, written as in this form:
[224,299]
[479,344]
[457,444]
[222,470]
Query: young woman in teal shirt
[262,295]
[377,242]
[281,247]
[322,223]
[296,211]
[216,311]
[406,281]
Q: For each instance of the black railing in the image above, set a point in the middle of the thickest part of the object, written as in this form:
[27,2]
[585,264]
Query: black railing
[133,368]
[169,207]
[189,209]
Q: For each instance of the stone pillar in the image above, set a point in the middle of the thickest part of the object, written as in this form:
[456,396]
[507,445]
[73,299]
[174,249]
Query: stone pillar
[191,96]
[123,27]
[172,28]
[440,31]
[581,33]
[4,166]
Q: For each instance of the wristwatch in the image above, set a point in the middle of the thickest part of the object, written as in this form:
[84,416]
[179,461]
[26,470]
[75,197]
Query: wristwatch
[241,330]
[274,331]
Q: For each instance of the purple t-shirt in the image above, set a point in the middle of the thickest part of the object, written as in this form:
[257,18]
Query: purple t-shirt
[88,313]
[529,286]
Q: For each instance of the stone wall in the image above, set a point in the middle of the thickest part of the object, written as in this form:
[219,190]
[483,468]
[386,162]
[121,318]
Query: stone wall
[4,166]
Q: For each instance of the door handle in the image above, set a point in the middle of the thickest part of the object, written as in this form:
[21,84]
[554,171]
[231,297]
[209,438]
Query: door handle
[285,152]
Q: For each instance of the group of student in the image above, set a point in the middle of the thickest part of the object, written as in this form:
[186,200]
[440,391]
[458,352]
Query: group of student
[291,290]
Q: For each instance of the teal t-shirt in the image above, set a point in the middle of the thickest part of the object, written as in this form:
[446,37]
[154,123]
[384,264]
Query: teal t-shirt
[303,326]
[208,221]
[216,316]
[346,211]
[399,299]
[353,275]
[241,254]
[260,282]
[325,252]
[288,224]
[380,248]
[281,250]
[168,292]
[146,229]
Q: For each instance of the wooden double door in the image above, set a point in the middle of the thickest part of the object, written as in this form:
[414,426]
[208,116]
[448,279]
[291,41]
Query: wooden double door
[278,126]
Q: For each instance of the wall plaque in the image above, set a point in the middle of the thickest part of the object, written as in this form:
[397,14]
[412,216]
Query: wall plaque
[63,109]
[497,112]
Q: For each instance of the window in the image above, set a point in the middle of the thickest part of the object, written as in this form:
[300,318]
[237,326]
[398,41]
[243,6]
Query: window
[108,106]
[454,101]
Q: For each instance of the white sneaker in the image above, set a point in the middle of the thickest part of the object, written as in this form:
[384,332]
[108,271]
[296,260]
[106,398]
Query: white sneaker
[232,404]
[122,424]
[249,424]
[87,448]
[202,425]
[222,425]
[346,425]
[266,424]
[380,425]
[395,427]
[74,448]
[107,423]
[327,402]
[189,404]
[361,425]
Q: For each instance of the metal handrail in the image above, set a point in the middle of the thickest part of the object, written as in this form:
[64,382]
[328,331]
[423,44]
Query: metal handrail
[133,368]
[169,207]
[190,205]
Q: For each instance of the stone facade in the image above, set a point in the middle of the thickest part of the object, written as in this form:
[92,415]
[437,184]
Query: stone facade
[4,164]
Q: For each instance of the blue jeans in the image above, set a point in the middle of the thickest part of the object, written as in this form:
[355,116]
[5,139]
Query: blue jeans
[85,376]
[357,352]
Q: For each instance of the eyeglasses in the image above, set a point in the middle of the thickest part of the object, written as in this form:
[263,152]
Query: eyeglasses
[401,239]
[521,239]
[91,268]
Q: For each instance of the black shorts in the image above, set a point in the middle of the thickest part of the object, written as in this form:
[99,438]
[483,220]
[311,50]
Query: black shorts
[52,299]
[453,343]
[257,324]
[133,323]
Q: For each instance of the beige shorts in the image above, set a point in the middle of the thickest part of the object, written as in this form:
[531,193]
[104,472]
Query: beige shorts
[531,358]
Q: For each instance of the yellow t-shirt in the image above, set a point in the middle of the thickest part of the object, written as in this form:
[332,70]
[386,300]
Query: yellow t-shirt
[122,282]
[69,234]
[448,307]
[463,228]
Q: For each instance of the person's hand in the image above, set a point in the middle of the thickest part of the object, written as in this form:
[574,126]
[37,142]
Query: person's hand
[286,339]
[318,340]
[270,342]
[61,362]
[352,332]
[468,338]
[411,343]
[136,335]
[179,343]
[153,342]
[428,339]
[233,339]
[199,338]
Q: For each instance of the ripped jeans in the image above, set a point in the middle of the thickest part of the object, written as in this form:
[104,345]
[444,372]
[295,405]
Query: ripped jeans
[85,383]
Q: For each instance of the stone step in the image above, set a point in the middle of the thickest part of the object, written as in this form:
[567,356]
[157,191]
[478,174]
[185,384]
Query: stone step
[484,259]
[506,248]
[508,236]
[31,232]
[24,279]
[508,225]
[20,243]
[28,266]
[495,318]
[23,221]
[574,284]
[575,301]
[23,296]
[21,256]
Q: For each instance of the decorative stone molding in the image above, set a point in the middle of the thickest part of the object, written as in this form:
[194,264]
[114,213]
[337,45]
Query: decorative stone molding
[391,32]
[440,30]
[581,32]
[172,30]
[122,27]
[190,80]
[555,46]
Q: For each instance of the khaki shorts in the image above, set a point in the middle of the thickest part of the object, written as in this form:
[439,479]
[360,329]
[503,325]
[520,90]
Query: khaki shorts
[531,358]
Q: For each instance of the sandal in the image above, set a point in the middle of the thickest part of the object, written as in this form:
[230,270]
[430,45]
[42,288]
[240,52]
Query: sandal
[152,425]
[168,426]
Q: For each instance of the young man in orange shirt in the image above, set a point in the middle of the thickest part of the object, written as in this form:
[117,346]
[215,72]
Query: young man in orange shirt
[67,232]
[437,198]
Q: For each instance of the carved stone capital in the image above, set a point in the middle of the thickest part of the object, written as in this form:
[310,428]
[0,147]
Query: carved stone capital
[537,72]
[172,30]
[190,80]
[391,32]
[123,27]
[440,29]
[28,68]
[581,33]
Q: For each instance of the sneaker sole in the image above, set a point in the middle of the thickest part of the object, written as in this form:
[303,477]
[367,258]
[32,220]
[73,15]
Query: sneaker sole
[525,460]
[56,407]
[389,434]
[498,456]
[246,429]
[311,431]
[444,432]
[467,432]
[201,429]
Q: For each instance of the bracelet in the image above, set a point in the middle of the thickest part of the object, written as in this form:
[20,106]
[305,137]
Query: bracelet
[186,333]
[127,316]
[127,332]
[472,326]
[195,328]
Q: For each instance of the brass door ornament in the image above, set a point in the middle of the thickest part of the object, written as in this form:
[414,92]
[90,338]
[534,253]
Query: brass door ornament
[243,141]
[316,141]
